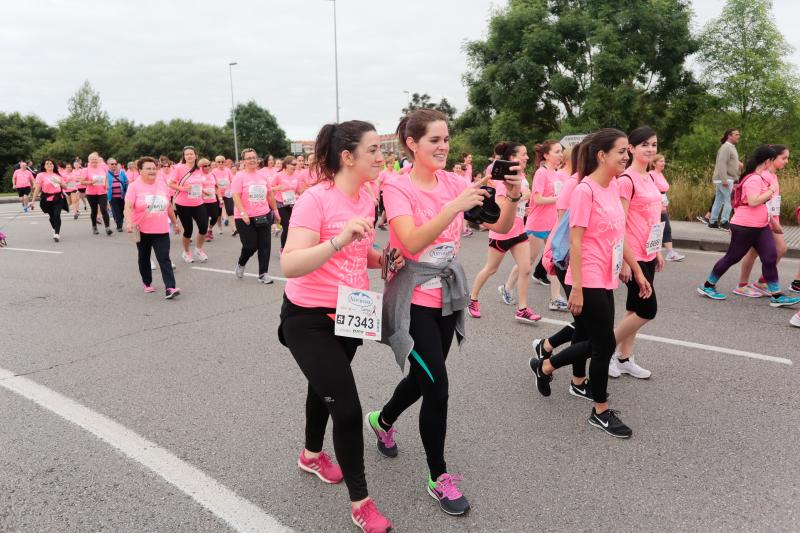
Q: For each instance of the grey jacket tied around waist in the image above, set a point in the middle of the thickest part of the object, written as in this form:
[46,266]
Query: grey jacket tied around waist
[397,302]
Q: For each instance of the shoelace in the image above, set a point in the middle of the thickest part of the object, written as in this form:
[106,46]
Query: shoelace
[368,510]
[387,437]
[449,486]
[324,461]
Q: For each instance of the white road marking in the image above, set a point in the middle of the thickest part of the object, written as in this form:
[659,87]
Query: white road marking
[696,345]
[720,254]
[236,511]
[219,271]
[30,250]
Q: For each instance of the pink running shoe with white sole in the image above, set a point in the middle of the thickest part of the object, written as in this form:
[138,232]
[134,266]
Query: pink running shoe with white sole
[474,308]
[369,519]
[322,467]
[527,316]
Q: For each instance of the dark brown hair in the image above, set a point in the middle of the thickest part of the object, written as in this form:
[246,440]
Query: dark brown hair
[146,159]
[599,141]
[727,134]
[332,140]
[541,150]
[506,149]
[415,125]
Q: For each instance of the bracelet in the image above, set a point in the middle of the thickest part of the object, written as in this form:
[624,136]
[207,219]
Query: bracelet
[514,200]
[335,244]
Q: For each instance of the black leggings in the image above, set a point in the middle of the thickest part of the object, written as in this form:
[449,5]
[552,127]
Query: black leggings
[567,333]
[95,201]
[286,215]
[159,243]
[645,308]
[53,210]
[594,337]
[197,213]
[228,205]
[254,240]
[427,377]
[118,211]
[742,239]
[667,228]
[212,208]
[325,361]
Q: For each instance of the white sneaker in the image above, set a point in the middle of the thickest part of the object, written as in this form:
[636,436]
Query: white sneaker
[631,368]
[201,255]
[187,257]
[239,271]
[795,320]
[675,256]
[265,279]
[613,367]
[559,304]
[56,237]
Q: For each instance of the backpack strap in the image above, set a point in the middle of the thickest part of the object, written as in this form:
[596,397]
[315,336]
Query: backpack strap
[633,185]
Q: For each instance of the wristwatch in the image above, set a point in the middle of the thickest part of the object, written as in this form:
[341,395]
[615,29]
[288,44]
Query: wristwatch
[514,200]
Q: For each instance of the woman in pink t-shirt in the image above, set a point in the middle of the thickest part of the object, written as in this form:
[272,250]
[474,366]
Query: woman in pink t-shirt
[51,185]
[22,182]
[224,178]
[752,227]
[95,179]
[425,208]
[148,211]
[514,241]
[597,251]
[657,172]
[760,288]
[189,184]
[330,246]
[254,207]
[77,166]
[210,196]
[71,181]
[641,200]
[284,186]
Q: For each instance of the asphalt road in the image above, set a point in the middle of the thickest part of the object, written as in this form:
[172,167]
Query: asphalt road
[715,443]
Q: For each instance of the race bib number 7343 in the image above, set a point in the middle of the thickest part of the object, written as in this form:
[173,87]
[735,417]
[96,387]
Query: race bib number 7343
[358,313]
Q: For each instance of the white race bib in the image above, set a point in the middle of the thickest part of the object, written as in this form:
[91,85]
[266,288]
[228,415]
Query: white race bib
[656,236]
[72,184]
[195,191]
[222,183]
[209,195]
[664,199]
[156,203]
[98,181]
[521,209]
[437,254]
[774,205]
[557,187]
[257,193]
[616,259]
[358,314]
[289,198]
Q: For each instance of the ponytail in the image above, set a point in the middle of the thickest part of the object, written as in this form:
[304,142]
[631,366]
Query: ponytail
[332,140]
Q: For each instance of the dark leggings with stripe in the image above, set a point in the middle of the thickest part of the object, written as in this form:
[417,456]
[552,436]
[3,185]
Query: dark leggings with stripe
[427,378]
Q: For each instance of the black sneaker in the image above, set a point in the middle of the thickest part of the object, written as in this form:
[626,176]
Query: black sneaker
[609,422]
[108,231]
[538,349]
[795,286]
[713,225]
[582,390]
[541,279]
[542,379]
[725,225]
[94,230]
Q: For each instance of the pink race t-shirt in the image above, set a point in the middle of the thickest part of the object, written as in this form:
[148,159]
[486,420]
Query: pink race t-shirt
[254,189]
[209,188]
[99,177]
[132,175]
[660,180]
[519,221]
[22,178]
[195,180]
[150,203]
[289,183]
[598,210]
[548,183]
[50,183]
[562,202]
[324,209]
[644,210]
[746,215]
[224,178]
[402,198]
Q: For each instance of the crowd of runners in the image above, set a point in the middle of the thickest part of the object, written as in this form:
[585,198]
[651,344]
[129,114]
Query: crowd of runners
[580,221]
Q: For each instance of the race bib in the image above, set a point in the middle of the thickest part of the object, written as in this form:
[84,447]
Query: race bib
[55,182]
[616,260]
[289,198]
[664,199]
[72,184]
[98,181]
[437,254]
[656,236]
[358,314]
[557,187]
[209,195]
[521,209]
[257,194]
[195,191]
[774,205]
[222,183]
[156,203]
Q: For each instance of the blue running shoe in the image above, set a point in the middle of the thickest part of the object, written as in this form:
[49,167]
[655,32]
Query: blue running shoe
[710,292]
[784,301]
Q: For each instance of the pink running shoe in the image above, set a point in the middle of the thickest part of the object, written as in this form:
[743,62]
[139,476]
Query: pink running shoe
[321,466]
[445,491]
[474,308]
[527,316]
[747,291]
[210,235]
[762,287]
[149,288]
[369,519]
[172,293]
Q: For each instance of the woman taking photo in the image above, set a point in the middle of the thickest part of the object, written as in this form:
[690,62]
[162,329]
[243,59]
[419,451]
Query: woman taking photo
[254,205]
[425,208]
[596,251]
[51,186]
[148,212]
[329,246]
[189,184]
[95,179]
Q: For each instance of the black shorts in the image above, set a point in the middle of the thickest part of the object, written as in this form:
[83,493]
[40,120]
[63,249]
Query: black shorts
[23,191]
[82,190]
[506,244]
[648,308]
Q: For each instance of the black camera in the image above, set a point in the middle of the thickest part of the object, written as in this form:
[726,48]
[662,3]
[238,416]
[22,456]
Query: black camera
[488,213]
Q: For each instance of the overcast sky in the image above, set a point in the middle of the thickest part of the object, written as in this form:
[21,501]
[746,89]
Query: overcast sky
[159,60]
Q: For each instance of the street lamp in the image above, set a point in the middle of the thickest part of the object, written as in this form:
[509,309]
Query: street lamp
[408,95]
[336,59]
[233,113]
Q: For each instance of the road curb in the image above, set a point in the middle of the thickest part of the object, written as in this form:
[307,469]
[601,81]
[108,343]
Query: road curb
[716,246]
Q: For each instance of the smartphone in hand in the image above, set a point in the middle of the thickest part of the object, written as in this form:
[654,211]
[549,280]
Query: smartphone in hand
[501,168]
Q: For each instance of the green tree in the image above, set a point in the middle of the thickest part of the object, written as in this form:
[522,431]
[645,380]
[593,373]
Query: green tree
[552,67]
[257,128]
[745,59]
[423,101]
[19,137]
[169,138]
